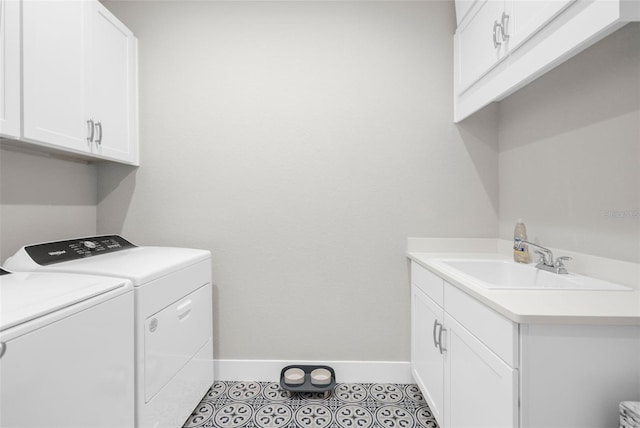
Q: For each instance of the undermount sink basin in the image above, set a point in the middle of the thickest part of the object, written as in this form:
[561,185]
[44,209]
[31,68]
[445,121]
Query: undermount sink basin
[509,275]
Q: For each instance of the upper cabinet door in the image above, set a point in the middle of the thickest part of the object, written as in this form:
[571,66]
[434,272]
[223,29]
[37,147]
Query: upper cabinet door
[10,68]
[531,15]
[54,43]
[111,94]
[480,41]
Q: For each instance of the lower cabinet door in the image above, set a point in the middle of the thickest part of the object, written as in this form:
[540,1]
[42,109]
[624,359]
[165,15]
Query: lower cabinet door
[481,389]
[427,363]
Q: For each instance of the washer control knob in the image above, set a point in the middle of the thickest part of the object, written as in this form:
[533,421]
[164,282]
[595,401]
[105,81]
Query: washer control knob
[89,245]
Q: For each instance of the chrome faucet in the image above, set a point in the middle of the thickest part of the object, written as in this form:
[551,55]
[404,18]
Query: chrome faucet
[546,261]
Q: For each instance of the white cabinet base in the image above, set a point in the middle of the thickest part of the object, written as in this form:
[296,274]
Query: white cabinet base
[575,376]
[427,365]
[481,388]
[559,376]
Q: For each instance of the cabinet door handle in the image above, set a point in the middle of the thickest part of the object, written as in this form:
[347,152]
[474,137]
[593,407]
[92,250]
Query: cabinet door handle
[504,26]
[99,127]
[90,124]
[442,350]
[496,27]
[3,348]
[435,327]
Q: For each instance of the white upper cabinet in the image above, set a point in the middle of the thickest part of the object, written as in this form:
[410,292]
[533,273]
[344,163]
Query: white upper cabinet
[54,43]
[502,45]
[491,29]
[79,80]
[10,68]
[529,16]
[112,88]
[482,40]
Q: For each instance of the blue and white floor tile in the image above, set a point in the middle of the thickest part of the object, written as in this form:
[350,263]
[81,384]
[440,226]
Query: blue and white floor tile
[350,405]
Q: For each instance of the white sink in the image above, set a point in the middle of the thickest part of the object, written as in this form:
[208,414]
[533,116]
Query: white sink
[509,275]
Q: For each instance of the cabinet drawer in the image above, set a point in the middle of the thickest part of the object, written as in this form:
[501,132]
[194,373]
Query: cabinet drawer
[429,283]
[497,332]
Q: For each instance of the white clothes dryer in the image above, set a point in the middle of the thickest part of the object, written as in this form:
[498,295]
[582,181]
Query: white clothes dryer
[173,315]
[66,351]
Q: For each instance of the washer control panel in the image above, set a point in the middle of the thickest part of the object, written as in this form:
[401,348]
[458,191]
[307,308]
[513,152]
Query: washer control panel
[73,249]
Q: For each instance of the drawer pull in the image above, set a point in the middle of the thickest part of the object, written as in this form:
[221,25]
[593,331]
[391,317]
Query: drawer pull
[435,327]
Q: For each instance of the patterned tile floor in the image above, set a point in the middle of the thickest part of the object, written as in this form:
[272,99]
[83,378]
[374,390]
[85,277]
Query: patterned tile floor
[350,405]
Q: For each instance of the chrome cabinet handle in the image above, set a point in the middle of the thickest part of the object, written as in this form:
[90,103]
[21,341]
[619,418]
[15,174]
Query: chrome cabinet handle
[435,327]
[504,26]
[442,350]
[99,138]
[3,348]
[496,27]
[90,132]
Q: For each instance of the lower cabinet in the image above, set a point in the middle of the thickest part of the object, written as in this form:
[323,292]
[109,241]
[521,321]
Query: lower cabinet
[465,383]
[482,390]
[426,360]
[478,369]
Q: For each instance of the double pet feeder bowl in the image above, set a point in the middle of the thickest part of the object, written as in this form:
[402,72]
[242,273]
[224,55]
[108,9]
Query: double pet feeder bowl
[308,379]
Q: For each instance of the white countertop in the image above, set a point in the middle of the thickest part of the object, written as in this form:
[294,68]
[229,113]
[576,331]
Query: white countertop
[541,306]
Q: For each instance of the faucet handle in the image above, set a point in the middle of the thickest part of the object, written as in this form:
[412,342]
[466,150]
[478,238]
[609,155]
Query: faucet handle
[560,261]
[543,257]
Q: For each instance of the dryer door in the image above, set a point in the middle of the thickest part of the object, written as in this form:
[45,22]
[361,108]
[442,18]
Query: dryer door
[173,336]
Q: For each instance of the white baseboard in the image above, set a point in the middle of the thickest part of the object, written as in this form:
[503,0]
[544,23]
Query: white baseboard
[346,371]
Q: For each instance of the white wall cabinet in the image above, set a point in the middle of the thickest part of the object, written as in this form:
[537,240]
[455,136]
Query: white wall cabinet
[79,80]
[502,45]
[482,40]
[54,73]
[112,86]
[10,68]
[529,16]
[478,369]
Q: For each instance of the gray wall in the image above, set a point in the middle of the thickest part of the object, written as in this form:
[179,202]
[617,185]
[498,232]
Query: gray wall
[302,143]
[43,199]
[570,152]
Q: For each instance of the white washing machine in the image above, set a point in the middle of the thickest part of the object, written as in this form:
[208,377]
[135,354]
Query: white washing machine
[66,351]
[173,315]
